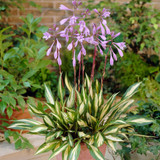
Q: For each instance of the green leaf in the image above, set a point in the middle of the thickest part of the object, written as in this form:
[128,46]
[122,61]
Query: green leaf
[68,85]
[81,108]
[34,109]
[65,154]
[131,91]
[99,139]
[60,89]
[114,138]
[70,139]
[74,154]
[21,102]
[48,94]
[9,112]
[42,52]
[58,150]
[18,144]
[95,152]
[71,99]
[82,123]
[48,121]
[38,128]
[45,147]
[3,106]
[137,120]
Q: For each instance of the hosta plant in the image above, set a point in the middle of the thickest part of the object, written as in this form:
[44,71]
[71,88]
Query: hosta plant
[81,117]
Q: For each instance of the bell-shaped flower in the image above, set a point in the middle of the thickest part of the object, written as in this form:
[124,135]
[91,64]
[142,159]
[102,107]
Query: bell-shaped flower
[56,54]
[59,60]
[50,49]
[62,7]
[111,60]
[46,35]
[70,46]
[79,56]
[105,13]
[63,21]
[58,46]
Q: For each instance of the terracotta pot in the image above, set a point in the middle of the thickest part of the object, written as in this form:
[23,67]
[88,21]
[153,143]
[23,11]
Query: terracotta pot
[17,114]
[85,154]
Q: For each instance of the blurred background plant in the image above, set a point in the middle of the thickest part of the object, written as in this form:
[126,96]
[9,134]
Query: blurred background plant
[21,62]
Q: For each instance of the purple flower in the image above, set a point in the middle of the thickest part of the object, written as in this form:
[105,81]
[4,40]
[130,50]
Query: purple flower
[59,61]
[62,7]
[63,21]
[105,13]
[73,20]
[46,35]
[107,29]
[70,46]
[79,56]
[111,60]
[49,50]
[58,45]
[56,54]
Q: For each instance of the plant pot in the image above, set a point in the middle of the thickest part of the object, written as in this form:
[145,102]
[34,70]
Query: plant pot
[17,114]
[84,153]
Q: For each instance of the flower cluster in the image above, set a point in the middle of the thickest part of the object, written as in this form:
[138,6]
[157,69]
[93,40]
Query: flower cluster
[76,33]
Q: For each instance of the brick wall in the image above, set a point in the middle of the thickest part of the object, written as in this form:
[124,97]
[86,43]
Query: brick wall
[50,13]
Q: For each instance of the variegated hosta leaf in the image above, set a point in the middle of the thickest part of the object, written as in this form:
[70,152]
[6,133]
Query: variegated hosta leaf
[89,86]
[29,121]
[106,107]
[71,116]
[91,119]
[38,128]
[97,86]
[114,138]
[91,140]
[82,134]
[34,109]
[65,117]
[79,99]
[99,139]
[81,108]
[24,124]
[115,109]
[95,105]
[65,153]
[54,135]
[68,85]
[95,152]
[71,99]
[60,149]
[57,108]
[84,94]
[74,154]
[48,94]
[111,130]
[60,89]
[21,126]
[131,91]
[89,105]
[139,120]
[45,147]
[100,98]
[51,107]
[70,138]
[112,145]
[82,123]
[48,121]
